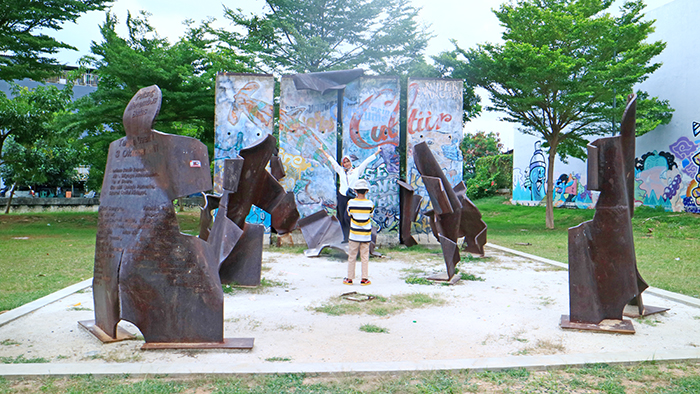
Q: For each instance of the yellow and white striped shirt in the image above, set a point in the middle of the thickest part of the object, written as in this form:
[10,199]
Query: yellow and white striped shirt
[360,212]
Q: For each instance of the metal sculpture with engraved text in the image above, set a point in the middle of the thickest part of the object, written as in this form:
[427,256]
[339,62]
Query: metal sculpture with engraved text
[146,271]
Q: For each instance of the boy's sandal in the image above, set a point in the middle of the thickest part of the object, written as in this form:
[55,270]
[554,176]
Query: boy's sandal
[365,282]
[347,281]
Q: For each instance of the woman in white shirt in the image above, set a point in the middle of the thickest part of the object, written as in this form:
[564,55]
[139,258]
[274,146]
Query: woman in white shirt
[348,175]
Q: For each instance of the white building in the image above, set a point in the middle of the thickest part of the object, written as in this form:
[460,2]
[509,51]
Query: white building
[668,158]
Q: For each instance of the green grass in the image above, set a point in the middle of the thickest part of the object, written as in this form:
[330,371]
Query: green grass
[416,280]
[647,378]
[665,242]
[380,306]
[22,360]
[466,276]
[373,329]
[43,253]
[278,359]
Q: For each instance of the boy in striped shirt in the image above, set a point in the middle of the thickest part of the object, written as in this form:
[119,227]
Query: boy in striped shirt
[360,211]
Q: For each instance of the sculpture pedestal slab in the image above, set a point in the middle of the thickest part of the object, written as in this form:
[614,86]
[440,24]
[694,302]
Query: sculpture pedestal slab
[122,334]
[607,325]
[228,343]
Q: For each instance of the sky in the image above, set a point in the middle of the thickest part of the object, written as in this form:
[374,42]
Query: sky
[469,22]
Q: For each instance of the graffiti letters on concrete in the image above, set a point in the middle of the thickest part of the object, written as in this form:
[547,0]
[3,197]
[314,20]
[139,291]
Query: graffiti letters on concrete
[307,126]
[244,115]
[146,271]
[371,120]
[434,116]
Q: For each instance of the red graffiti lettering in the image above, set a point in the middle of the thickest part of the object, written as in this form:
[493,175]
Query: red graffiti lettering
[380,135]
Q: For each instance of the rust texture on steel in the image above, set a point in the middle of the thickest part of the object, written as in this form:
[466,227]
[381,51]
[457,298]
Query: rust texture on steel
[603,275]
[410,205]
[253,185]
[146,271]
[322,231]
[453,215]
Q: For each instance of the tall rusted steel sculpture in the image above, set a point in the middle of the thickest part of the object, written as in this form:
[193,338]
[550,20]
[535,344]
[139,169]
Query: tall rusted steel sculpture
[603,275]
[410,206]
[146,271]
[453,215]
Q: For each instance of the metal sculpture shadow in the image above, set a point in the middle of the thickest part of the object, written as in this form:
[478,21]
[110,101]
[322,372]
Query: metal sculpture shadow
[453,215]
[603,275]
[146,271]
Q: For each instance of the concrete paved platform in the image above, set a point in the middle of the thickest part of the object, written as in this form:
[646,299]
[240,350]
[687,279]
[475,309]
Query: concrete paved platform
[240,364]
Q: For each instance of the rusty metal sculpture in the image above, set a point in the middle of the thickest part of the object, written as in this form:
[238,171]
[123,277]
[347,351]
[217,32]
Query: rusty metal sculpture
[146,271]
[322,231]
[603,275]
[453,215]
[410,206]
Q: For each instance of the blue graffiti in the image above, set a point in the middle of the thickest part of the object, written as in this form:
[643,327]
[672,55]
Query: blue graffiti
[537,174]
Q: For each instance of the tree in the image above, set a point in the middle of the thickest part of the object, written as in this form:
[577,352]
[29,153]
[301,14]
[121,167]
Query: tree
[29,114]
[43,163]
[22,42]
[27,123]
[184,71]
[475,146]
[560,68]
[322,35]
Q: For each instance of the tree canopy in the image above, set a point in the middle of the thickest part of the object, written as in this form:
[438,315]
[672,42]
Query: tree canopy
[185,72]
[24,47]
[321,35]
[29,114]
[561,66]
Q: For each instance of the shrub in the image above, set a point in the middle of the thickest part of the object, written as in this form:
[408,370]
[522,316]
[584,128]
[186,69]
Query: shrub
[491,173]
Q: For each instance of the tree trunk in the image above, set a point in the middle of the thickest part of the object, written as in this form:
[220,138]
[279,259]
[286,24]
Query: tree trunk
[9,200]
[550,185]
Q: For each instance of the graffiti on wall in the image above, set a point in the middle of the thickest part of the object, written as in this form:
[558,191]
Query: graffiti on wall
[657,179]
[307,129]
[687,151]
[531,184]
[434,116]
[569,192]
[371,121]
[243,115]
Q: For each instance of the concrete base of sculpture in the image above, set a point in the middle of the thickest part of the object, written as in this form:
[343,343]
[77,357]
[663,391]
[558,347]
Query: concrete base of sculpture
[122,334]
[607,325]
[228,343]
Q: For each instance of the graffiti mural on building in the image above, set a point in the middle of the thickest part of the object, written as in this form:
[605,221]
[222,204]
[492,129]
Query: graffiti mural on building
[243,115]
[308,127]
[692,199]
[683,149]
[691,167]
[434,115]
[569,192]
[530,185]
[371,121]
[658,180]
